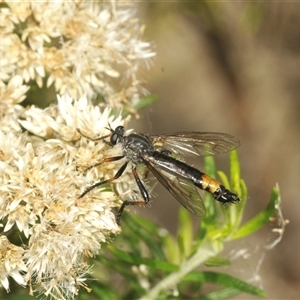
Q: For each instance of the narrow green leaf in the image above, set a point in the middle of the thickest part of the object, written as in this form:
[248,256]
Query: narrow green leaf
[171,250]
[145,231]
[185,233]
[225,280]
[234,213]
[18,296]
[116,265]
[217,261]
[235,172]
[128,109]
[211,212]
[100,291]
[226,293]
[261,218]
[210,166]
[136,260]
[244,190]
[146,101]
[240,207]
[224,179]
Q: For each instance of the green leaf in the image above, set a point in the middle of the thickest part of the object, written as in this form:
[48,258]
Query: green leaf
[225,293]
[185,233]
[146,101]
[139,229]
[217,261]
[225,280]
[210,166]
[100,291]
[142,103]
[261,218]
[224,179]
[235,172]
[137,260]
[171,249]
[211,211]
[234,213]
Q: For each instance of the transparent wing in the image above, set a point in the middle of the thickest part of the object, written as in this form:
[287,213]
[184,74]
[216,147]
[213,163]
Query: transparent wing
[184,191]
[196,143]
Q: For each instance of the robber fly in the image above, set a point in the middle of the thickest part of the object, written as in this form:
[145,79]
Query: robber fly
[156,153]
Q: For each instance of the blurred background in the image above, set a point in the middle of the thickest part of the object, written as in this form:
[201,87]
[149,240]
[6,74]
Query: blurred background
[234,67]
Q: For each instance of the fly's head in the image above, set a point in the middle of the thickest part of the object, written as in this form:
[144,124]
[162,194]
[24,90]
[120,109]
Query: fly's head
[117,135]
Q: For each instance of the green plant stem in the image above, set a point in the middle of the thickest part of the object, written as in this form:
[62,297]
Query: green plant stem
[207,249]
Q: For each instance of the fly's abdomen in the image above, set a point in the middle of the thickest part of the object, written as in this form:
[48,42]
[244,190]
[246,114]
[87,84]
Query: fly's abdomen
[199,179]
[218,191]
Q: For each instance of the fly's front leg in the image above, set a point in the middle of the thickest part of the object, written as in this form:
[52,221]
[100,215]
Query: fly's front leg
[107,159]
[117,175]
[95,139]
[143,192]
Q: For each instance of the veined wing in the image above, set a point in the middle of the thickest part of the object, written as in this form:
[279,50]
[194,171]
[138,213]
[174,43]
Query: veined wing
[184,191]
[196,143]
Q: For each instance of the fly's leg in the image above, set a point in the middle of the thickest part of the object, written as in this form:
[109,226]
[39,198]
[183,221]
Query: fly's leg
[139,183]
[101,137]
[143,192]
[108,159]
[96,139]
[117,175]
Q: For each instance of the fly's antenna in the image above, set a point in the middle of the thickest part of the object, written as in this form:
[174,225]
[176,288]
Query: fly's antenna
[109,127]
[95,139]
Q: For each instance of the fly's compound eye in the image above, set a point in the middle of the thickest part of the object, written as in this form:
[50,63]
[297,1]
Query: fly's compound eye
[117,133]
[114,138]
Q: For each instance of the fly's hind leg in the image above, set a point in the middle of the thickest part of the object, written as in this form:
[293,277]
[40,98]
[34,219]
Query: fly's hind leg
[143,192]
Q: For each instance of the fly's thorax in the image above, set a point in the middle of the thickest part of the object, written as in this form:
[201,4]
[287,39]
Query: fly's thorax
[135,146]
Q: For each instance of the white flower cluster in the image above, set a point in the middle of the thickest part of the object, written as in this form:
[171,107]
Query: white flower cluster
[40,184]
[81,50]
[80,47]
